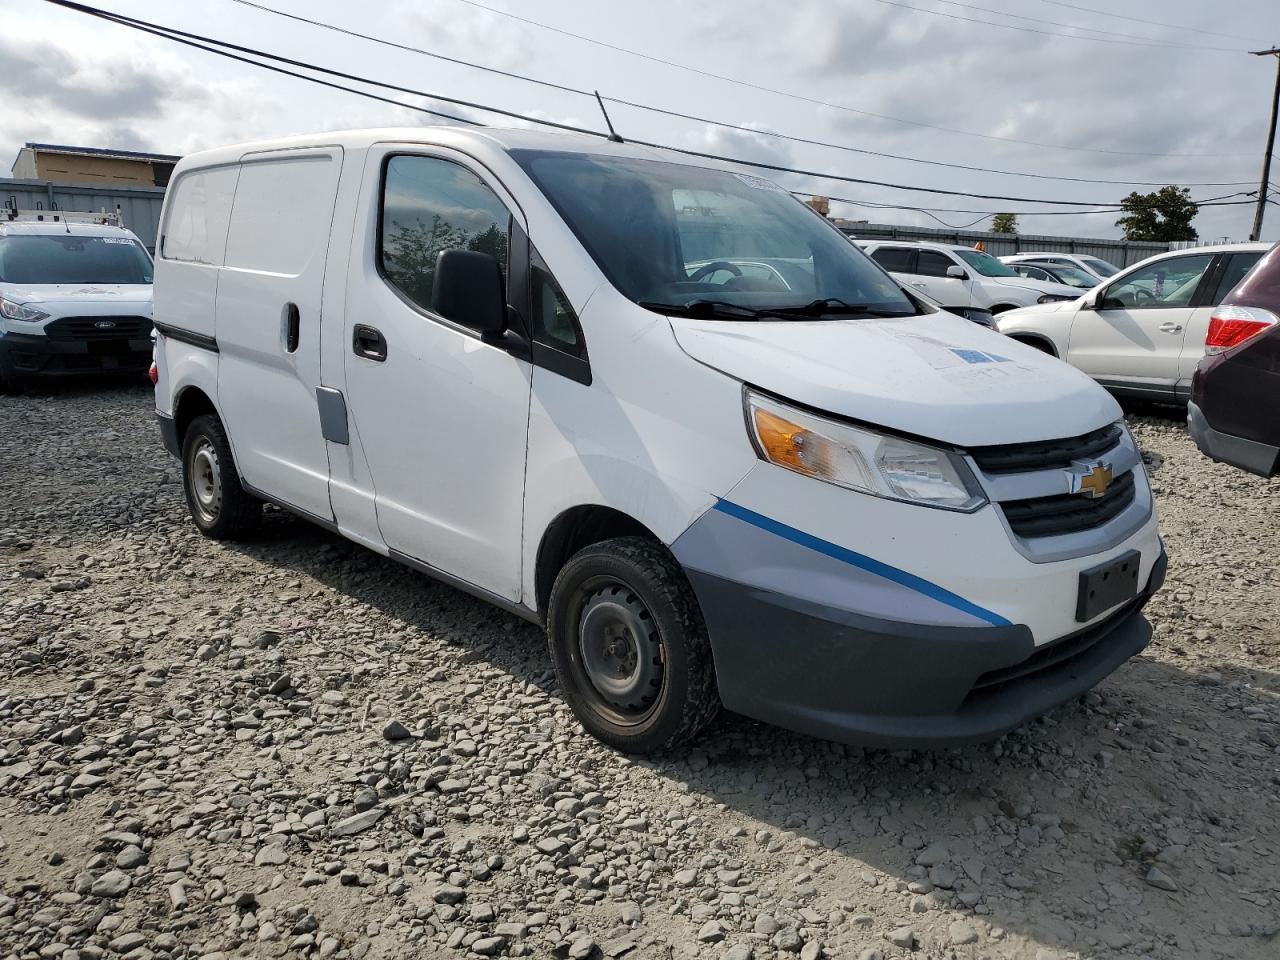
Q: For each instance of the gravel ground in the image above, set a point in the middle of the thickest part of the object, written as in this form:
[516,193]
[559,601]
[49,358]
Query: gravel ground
[294,748]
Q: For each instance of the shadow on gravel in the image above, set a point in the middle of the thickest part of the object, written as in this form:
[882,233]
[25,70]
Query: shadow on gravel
[1052,832]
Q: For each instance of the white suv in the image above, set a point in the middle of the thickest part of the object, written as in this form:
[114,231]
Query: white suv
[962,276]
[1142,332]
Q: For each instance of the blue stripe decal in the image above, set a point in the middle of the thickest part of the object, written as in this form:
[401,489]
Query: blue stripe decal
[863,562]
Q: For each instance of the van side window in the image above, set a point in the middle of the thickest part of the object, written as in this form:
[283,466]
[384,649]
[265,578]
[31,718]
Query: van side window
[554,321]
[431,205]
[197,214]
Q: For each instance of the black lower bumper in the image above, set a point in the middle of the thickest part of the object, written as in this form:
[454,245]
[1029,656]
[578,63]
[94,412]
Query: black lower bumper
[25,357]
[169,434]
[1260,458]
[842,676]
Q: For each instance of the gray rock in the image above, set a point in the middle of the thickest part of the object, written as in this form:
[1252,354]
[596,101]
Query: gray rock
[113,883]
[1161,880]
[395,730]
[711,932]
[739,951]
[489,946]
[811,951]
[961,933]
[357,823]
[272,855]
[904,937]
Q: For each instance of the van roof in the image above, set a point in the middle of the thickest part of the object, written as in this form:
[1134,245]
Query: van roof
[483,139]
[38,227]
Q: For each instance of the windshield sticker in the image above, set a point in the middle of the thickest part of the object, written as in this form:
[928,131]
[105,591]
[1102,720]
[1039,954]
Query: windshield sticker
[117,240]
[760,183]
[977,356]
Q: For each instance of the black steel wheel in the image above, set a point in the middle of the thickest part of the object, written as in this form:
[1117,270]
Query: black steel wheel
[630,648]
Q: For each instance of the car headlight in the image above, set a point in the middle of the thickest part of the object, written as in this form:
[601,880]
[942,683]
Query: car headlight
[859,458]
[1053,298]
[18,311]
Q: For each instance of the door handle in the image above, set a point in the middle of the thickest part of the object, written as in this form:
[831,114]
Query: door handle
[917,283]
[292,327]
[1170,327]
[369,343]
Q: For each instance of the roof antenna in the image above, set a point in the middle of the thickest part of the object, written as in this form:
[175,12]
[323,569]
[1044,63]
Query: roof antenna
[613,134]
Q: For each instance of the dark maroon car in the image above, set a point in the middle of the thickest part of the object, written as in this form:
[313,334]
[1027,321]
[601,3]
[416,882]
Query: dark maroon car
[1234,414]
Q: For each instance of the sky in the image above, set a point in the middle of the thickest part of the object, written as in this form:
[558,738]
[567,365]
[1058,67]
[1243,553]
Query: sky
[1119,90]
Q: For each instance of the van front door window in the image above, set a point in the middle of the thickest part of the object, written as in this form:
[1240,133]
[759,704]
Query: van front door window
[430,205]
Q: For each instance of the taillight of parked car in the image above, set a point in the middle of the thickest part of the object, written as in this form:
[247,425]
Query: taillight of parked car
[154,373]
[1231,326]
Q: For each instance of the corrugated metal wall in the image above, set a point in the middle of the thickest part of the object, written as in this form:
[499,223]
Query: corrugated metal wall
[139,206]
[1120,252]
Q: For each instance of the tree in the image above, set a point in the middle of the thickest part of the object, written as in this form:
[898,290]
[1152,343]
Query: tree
[1163,215]
[1004,223]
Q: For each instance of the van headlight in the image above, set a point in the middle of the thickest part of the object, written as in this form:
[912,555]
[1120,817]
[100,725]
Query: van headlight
[859,458]
[17,311]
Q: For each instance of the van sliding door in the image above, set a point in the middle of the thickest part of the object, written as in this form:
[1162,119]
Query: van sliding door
[268,323]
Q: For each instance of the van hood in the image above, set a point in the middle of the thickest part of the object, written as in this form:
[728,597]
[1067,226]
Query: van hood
[36,293]
[936,376]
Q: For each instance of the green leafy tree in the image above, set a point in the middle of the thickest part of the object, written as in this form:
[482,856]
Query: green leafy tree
[1163,215]
[409,253]
[1004,223]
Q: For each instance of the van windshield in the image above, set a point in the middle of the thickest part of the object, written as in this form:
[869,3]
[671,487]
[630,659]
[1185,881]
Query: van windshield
[68,258]
[683,239]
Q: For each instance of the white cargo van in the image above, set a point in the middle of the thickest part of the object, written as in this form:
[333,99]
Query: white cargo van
[533,365]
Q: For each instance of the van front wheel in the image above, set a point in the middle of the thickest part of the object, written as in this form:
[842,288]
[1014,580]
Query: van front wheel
[219,505]
[630,647]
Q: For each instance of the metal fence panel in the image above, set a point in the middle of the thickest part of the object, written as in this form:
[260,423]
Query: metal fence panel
[139,206]
[1120,252]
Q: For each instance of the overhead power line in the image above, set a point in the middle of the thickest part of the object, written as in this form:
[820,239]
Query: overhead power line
[220,47]
[335,28]
[750,85]
[1142,42]
[1150,23]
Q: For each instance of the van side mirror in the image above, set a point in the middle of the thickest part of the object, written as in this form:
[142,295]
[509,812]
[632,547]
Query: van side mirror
[468,289]
[957,273]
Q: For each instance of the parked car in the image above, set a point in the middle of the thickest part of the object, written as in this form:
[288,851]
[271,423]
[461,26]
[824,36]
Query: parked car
[1141,333]
[1069,276]
[75,298]
[1094,266]
[488,355]
[962,275]
[785,274]
[1234,413]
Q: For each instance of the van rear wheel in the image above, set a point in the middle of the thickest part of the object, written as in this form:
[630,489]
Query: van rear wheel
[630,648]
[219,505]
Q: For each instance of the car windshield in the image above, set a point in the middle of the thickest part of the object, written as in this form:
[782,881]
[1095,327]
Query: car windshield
[1074,276]
[984,263]
[684,239]
[1100,267]
[69,258]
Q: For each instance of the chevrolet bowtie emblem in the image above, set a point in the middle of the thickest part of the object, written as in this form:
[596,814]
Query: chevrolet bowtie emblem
[1094,483]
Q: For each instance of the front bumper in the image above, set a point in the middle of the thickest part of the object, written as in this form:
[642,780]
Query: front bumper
[28,357]
[863,655]
[1250,455]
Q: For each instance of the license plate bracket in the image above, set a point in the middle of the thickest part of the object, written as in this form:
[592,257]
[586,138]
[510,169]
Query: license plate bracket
[1108,585]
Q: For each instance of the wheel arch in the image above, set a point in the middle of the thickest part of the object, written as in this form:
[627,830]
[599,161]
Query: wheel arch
[569,532]
[191,402]
[1036,340]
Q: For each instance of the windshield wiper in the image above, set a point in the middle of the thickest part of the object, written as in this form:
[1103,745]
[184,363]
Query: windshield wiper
[702,309]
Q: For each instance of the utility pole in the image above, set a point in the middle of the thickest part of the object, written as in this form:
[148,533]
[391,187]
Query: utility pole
[1265,185]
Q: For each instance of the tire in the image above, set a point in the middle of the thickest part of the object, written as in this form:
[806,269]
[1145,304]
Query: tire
[1001,308]
[630,648]
[219,505]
